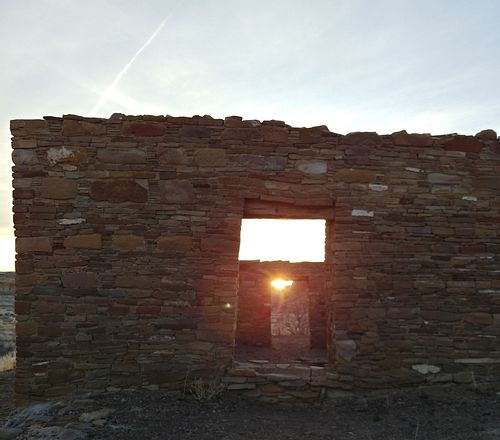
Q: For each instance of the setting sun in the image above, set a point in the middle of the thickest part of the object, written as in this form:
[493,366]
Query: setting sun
[280,284]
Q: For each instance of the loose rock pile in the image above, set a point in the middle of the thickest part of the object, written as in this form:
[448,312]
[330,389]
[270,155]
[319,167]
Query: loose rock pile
[7,314]
[65,420]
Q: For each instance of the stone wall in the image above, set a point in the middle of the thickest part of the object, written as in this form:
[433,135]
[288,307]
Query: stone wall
[127,235]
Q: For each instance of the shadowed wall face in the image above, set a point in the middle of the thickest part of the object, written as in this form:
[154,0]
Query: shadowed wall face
[127,240]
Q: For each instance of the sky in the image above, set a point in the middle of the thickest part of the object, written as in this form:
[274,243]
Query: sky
[426,66]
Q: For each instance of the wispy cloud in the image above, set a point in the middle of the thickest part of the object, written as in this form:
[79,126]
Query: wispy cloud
[110,90]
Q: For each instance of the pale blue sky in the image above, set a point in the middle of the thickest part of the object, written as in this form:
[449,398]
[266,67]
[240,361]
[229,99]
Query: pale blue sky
[353,65]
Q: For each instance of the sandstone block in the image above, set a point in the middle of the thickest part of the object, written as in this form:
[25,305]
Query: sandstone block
[73,155]
[351,176]
[24,157]
[119,310]
[274,134]
[59,391]
[114,155]
[29,127]
[242,372]
[196,131]
[463,377]
[478,318]
[263,162]
[174,243]
[436,315]
[81,280]
[24,144]
[26,328]
[215,244]
[361,138]
[473,249]
[376,313]
[402,313]
[486,182]
[444,179]
[58,188]
[213,336]
[210,157]
[429,283]
[138,282]
[379,247]
[348,246]
[33,244]
[311,167]
[128,242]
[312,135]
[171,156]
[143,129]
[81,128]
[418,140]
[346,349]
[468,144]
[177,191]
[149,310]
[238,134]
[84,241]
[486,135]
[118,191]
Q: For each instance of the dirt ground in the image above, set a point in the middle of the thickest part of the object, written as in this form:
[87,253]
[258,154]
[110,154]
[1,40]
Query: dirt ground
[435,413]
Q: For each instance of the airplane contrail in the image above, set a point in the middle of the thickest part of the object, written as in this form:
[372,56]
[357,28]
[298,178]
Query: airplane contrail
[109,91]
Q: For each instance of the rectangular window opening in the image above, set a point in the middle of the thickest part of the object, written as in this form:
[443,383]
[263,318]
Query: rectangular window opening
[283,240]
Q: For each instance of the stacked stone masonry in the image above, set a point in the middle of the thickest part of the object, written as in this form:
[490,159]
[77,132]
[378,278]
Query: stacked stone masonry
[127,238]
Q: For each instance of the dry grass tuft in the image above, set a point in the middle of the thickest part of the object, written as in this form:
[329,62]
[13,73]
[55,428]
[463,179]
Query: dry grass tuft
[205,390]
[8,362]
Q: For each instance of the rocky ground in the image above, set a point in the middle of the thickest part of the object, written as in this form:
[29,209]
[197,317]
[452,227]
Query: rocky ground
[434,413]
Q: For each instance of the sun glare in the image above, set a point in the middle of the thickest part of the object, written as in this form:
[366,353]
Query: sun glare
[280,284]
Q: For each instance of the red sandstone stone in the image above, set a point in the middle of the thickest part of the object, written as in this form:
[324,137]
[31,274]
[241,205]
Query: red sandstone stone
[405,139]
[81,128]
[478,318]
[350,176]
[148,310]
[143,129]
[211,157]
[379,247]
[175,243]
[84,241]
[468,144]
[118,191]
[115,155]
[473,249]
[33,244]
[81,280]
[177,191]
[128,242]
[133,281]
[274,134]
[119,310]
[59,188]
[402,313]
[26,328]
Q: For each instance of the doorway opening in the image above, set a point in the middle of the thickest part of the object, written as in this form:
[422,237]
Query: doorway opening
[281,299]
